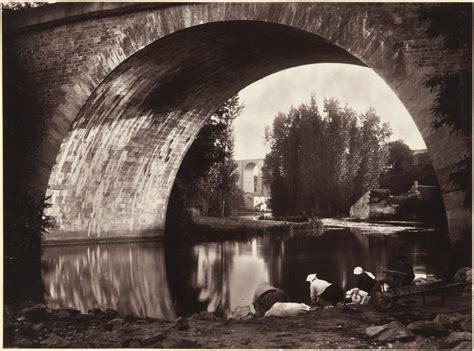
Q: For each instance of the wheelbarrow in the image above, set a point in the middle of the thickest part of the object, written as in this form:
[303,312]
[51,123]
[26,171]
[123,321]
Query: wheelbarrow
[387,291]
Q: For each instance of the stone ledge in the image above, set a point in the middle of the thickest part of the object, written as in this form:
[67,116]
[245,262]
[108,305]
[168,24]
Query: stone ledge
[60,13]
[106,240]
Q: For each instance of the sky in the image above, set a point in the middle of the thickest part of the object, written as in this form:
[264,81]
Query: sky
[359,87]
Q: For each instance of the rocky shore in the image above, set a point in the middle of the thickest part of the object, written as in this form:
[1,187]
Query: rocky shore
[409,325]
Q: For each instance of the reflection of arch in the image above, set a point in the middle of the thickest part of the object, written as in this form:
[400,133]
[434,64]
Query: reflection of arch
[131,104]
[129,278]
[249,181]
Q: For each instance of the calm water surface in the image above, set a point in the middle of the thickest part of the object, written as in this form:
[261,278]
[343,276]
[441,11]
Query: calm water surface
[163,281]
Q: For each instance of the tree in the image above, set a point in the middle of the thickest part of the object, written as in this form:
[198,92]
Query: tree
[452,106]
[401,170]
[18,6]
[399,174]
[222,176]
[320,165]
[24,216]
[206,179]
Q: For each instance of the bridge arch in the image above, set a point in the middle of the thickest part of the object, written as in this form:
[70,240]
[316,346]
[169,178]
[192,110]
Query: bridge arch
[135,84]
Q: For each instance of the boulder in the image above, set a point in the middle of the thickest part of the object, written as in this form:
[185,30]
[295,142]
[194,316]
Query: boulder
[95,312]
[390,332]
[36,313]
[152,340]
[181,324]
[185,344]
[131,342]
[465,345]
[450,321]
[395,331]
[132,317]
[110,314]
[422,343]
[428,328]
[151,319]
[25,343]
[25,304]
[39,326]
[82,317]
[56,341]
[375,330]
[114,324]
[466,325]
[455,338]
[27,329]
[65,313]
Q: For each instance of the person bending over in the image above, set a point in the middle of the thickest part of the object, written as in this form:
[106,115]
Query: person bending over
[364,280]
[323,292]
[265,296]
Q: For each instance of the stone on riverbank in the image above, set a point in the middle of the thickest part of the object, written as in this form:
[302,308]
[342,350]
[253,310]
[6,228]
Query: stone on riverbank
[114,324]
[329,328]
[36,313]
[182,324]
[54,340]
[131,343]
[132,317]
[428,328]
[455,338]
[466,325]
[465,345]
[375,330]
[185,344]
[64,313]
[390,332]
[39,326]
[152,340]
[450,321]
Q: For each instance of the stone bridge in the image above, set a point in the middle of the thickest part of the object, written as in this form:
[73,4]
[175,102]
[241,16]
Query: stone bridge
[120,91]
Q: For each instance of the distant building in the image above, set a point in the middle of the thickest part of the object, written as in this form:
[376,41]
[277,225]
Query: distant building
[250,181]
[373,204]
[420,202]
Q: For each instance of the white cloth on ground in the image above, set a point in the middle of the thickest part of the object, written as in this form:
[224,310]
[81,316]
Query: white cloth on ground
[287,309]
[358,296]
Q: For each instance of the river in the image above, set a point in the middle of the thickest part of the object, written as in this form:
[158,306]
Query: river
[166,281]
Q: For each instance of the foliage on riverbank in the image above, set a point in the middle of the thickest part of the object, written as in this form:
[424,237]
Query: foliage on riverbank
[25,223]
[206,180]
[452,107]
[320,163]
[217,228]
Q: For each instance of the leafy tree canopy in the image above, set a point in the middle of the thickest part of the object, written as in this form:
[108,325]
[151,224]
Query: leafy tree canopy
[320,164]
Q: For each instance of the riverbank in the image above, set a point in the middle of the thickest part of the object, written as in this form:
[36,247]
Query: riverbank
[217,228]
[409,325]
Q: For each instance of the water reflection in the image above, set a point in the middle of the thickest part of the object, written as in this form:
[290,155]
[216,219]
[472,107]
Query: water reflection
[166,281]
[222,274]
[130,278]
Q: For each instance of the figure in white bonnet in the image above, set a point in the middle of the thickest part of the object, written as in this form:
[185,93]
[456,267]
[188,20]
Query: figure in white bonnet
[364,280]
[323,292]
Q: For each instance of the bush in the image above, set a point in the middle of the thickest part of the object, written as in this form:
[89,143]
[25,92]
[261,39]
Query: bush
[25,224]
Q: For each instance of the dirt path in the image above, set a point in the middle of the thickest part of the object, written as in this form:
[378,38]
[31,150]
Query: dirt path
[337,327]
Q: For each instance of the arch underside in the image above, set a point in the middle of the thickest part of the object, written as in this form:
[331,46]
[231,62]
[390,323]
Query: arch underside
[116,166]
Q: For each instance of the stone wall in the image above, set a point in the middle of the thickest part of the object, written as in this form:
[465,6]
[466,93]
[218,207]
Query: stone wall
[123,90]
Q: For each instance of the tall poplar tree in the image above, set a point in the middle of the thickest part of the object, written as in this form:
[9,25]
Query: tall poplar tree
[319,165]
